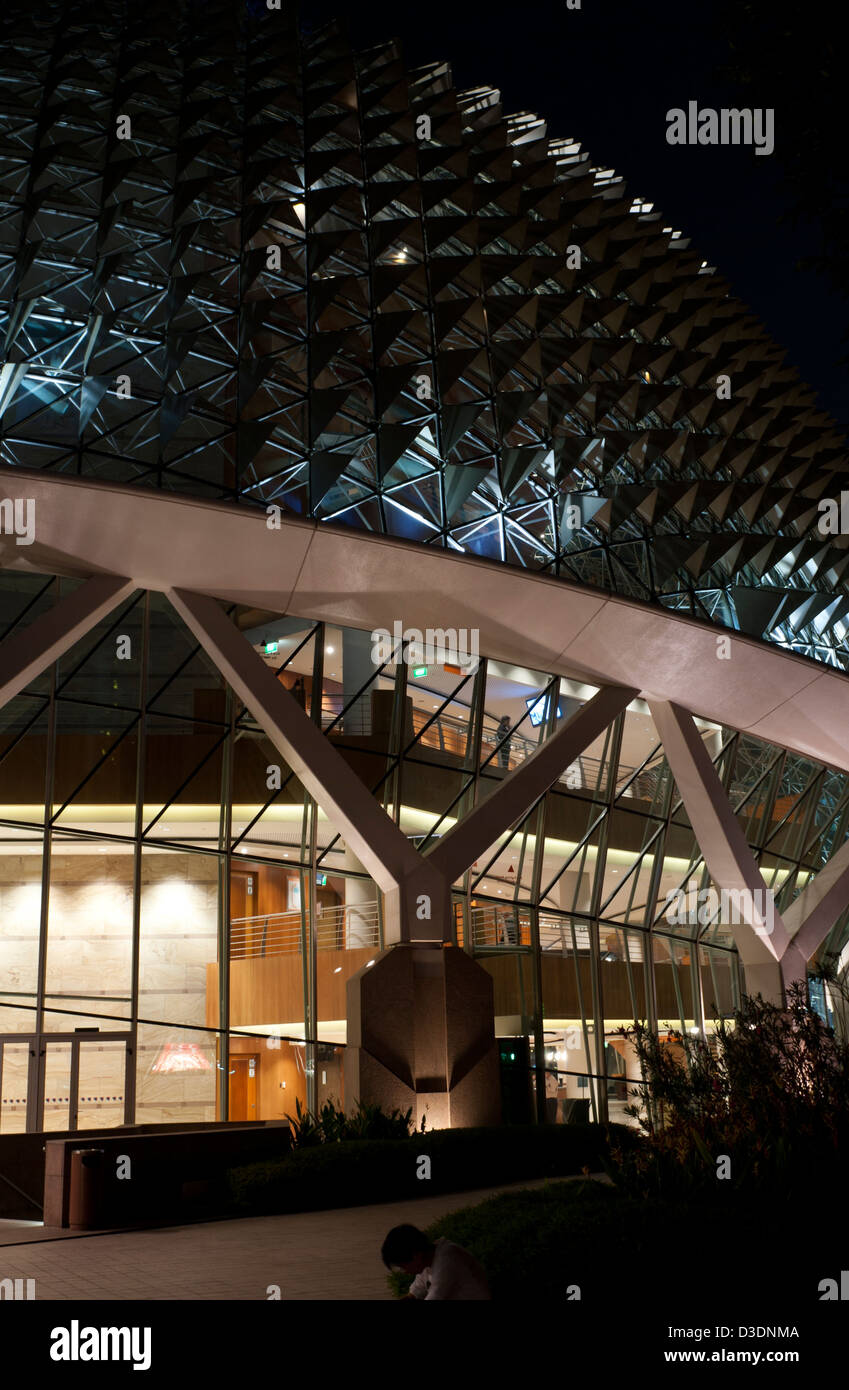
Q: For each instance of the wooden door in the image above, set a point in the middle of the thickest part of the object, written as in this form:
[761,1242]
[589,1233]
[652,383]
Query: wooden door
[244,1087]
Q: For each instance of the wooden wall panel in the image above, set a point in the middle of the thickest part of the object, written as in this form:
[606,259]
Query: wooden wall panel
[270,989]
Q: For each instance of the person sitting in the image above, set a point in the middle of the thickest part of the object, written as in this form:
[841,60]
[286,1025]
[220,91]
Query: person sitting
[442,1269]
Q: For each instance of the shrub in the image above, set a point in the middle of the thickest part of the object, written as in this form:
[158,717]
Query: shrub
[645,1252]
[332,1126]
[359,1171]
[553,1237]
[773,1097]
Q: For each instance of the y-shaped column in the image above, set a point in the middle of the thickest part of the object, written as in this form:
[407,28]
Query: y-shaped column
[774,951]
[420,1020]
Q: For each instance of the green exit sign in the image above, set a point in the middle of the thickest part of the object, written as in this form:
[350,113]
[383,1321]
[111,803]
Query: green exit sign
[419,671]
[270,648]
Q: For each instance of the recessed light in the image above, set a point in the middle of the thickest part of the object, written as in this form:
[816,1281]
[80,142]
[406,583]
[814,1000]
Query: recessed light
[368,963]
[330,651]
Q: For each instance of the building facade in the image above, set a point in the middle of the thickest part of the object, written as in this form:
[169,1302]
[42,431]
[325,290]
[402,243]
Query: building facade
[410,551]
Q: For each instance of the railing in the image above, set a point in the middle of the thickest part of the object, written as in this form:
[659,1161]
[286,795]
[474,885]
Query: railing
[449,734]
[279,933]
[509,924]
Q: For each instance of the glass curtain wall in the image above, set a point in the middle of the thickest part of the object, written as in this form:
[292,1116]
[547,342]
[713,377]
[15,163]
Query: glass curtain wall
[179,919]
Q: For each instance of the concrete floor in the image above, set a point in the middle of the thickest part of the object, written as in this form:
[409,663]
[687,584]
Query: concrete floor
[328,1255]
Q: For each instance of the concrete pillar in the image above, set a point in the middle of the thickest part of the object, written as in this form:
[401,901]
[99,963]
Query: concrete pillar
[360,904]
[421,1035]
[764,978]
[574,893]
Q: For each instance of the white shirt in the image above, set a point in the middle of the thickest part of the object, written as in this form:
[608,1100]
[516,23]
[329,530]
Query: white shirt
[454,1274]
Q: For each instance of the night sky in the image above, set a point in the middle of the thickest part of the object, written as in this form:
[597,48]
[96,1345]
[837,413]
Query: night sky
[606,75]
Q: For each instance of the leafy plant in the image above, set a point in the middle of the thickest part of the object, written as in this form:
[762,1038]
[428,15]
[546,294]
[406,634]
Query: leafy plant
[772,1095]
[332,1126]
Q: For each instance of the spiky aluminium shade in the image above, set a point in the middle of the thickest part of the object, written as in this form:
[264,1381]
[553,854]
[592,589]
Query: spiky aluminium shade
[245,263]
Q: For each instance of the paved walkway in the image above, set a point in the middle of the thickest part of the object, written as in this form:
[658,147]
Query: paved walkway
[327,1255]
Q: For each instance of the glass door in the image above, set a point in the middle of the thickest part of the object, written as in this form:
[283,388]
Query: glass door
[85,1081]
[16,1053]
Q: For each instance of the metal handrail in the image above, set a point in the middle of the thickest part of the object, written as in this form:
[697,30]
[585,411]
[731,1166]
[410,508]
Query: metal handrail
[279,933]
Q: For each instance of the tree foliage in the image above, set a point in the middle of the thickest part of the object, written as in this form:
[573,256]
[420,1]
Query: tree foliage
[770,1096]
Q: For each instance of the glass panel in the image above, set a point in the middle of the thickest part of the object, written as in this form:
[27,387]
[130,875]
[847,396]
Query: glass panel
[268,1075]
[622,977]
[13,1088]
[95,772]
[673,983]
[100,1093]
[178,946]
[183,780]
[23,752]
[90,934]
[719,984]
[516,706]
[269,911]
[104,667]
[347,938]
[182,680]
[176,1071]
[267,798]
[642,775]
[512,977]
[57,1086]
[20,914]
[572,1085]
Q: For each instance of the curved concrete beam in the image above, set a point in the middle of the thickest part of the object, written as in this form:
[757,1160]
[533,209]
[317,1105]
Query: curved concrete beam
[358,579]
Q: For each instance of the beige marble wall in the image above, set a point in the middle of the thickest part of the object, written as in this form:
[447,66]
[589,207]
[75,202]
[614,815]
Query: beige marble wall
[20,912]
[178,938]
[89,954]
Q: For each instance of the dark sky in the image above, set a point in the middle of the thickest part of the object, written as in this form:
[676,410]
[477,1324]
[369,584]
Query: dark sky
[606,74]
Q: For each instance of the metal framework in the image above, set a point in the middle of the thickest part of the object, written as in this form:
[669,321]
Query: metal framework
[241,262]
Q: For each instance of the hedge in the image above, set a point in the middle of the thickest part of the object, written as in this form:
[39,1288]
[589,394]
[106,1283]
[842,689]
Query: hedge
[358,1172]
[729,1252]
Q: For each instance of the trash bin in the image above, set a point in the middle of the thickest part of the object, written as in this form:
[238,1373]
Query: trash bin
[88,1175]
